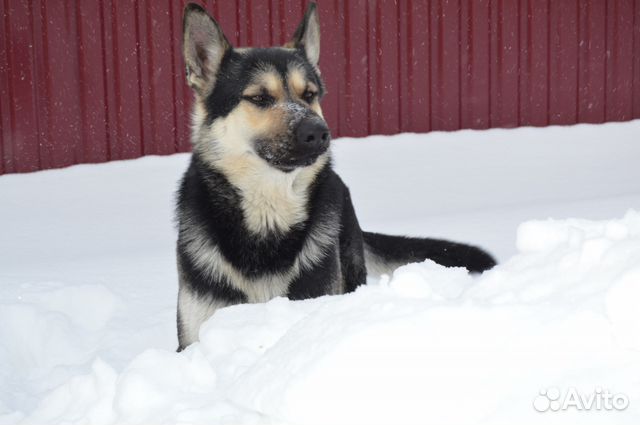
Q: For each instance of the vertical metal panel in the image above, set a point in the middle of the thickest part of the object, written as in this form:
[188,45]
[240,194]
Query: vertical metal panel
[474,64]
[20,136]
[505,63]
[538,37]
[636,59]
[385,49]
[563,63]
[93,119]
[418,82]
[355,49]
[93,81]
[620,53]
[332,54]
[445,64]
[591,60]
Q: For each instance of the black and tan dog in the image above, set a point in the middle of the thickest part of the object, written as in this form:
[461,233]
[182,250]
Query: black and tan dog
[261,213]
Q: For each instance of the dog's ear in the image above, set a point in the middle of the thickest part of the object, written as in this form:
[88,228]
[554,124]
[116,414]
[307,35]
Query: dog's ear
[203,46]
[307,36]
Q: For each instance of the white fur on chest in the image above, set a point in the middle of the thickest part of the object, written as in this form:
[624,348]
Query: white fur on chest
[272,200]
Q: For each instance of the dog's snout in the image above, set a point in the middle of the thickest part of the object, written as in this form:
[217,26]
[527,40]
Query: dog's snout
[313,134]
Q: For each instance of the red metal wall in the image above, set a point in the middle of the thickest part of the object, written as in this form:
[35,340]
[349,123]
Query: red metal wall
[93,81]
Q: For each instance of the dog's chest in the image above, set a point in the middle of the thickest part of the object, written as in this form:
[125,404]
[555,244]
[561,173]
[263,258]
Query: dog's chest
[270,200]
[269,207]
[260,286]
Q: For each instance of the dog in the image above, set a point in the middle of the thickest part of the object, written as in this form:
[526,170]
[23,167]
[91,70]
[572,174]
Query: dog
[260,212]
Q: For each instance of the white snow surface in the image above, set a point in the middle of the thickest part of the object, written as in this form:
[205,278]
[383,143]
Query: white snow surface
[88,290]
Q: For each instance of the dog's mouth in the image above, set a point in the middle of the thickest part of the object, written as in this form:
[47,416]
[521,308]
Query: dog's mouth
[289,160]
[292,163]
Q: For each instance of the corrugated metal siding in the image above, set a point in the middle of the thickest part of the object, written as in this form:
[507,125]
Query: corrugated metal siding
[93,81]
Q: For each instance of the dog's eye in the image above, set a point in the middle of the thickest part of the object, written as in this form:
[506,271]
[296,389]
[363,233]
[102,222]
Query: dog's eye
[262,100]
[309,96]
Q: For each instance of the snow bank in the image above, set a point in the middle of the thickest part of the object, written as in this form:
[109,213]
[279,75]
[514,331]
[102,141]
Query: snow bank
[47,331]
[88,282]
[429,345]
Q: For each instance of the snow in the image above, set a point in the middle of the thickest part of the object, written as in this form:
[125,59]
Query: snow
[88,289]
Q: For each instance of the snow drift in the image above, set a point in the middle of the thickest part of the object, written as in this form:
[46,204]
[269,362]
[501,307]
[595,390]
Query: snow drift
[88,284]
[428,345]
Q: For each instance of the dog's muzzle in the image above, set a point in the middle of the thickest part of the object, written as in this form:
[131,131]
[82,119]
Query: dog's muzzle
[308,138]
[312,135]
[311,139]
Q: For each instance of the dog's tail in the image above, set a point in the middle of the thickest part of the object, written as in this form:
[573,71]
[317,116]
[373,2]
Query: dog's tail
[385,253]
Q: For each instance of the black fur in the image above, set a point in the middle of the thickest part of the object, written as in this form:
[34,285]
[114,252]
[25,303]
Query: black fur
[409,250]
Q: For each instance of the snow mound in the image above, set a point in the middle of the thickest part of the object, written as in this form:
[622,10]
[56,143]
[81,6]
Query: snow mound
[47,329]
[427,345]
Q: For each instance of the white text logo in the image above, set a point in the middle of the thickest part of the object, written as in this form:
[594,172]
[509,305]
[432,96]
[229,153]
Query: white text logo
[552,399]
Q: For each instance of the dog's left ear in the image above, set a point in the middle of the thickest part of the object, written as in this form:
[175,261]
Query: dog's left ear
[307,36]
[204,46]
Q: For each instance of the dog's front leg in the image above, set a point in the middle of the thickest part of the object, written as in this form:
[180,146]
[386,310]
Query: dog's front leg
[354,271]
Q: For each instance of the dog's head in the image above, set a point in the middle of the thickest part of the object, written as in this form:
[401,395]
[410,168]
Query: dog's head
[256,104]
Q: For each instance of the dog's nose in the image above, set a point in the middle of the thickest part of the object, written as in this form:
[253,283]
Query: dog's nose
[313,135]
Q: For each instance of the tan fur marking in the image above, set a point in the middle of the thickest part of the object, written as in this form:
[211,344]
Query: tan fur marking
[297,81]
[298,84]
[253,90]
[273,84]
[198,114]
[265,122]
[315,107]
[268,81]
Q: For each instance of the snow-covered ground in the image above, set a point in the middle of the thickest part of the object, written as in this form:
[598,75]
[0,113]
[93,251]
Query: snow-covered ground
[88,289]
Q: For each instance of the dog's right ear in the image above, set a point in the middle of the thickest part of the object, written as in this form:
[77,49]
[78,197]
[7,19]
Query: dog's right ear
[203,46]
[307,36]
